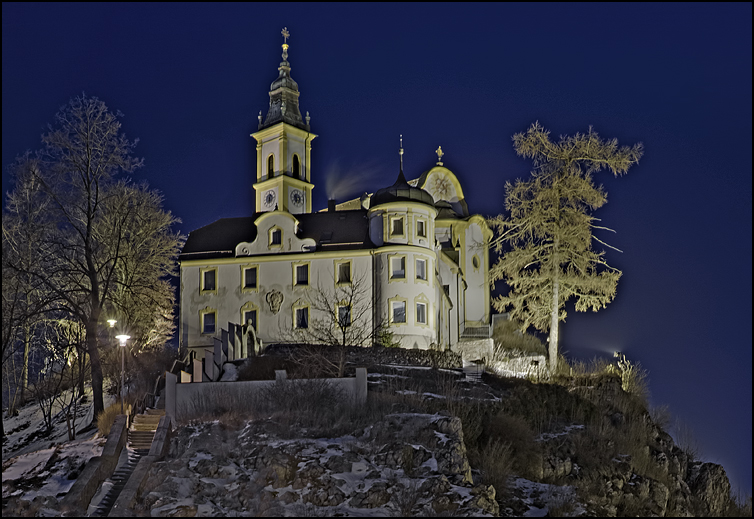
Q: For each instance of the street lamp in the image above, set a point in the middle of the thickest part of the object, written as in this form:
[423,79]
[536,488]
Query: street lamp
[122,339]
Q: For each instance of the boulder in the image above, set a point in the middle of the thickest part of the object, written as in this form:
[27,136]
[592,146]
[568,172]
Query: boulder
[710,486]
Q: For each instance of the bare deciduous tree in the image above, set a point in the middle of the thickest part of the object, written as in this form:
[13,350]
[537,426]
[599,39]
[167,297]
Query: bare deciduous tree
[110,245]
[549,230]
[339,314]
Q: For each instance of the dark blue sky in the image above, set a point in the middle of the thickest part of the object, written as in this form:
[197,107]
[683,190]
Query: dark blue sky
[191,79]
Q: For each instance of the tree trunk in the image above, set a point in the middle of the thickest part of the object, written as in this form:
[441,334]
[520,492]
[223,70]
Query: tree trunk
[92,343]
[25,367]
[553,346]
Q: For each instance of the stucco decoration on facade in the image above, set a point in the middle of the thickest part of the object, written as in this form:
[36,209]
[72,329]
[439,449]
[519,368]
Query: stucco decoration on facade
[275,300]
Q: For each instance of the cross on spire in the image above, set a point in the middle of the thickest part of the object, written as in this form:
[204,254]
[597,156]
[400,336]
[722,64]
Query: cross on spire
[285,34]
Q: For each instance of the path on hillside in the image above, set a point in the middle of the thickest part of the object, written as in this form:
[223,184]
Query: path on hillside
[140,437]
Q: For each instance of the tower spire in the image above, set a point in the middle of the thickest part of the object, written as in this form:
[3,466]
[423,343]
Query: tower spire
[284,94]
[401,154]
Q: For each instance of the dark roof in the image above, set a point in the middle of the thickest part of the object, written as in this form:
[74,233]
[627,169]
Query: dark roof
[445,210]
[337,230]
[219,238]
[401,191]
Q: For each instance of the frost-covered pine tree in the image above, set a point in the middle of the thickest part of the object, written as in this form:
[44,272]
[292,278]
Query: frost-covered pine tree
[548,230]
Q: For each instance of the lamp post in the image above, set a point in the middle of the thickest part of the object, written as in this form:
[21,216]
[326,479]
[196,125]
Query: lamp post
[122,339]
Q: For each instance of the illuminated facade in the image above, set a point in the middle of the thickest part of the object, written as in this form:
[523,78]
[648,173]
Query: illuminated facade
[420,259]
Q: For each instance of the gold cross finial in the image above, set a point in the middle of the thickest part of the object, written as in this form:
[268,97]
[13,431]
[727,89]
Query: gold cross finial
[285,34]
[439,155]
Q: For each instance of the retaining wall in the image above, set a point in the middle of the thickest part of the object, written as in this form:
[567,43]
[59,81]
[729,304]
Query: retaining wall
[97,469]
[201,397]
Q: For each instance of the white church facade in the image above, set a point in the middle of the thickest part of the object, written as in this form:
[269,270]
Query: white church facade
[410,255]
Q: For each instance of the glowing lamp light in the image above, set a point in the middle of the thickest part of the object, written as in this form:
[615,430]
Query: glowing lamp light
[111,322]
[123,339]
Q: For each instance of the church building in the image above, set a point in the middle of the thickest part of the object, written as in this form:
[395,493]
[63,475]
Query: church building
[408,259]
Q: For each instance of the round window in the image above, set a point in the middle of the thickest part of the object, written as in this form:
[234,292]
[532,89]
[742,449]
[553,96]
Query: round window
[475,262]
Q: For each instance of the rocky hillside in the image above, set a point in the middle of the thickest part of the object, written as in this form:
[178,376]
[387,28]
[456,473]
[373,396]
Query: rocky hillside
[431,442]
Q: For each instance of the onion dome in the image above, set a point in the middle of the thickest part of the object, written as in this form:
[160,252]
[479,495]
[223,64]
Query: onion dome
[401,191]
[284,96]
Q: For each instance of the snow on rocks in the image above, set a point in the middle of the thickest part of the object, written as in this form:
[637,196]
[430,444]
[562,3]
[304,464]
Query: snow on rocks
[405,464]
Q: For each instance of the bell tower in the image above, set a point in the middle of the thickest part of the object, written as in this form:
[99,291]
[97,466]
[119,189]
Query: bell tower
[284,145]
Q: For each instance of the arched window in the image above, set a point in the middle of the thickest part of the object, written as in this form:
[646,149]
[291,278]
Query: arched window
[270,165]
[296,167]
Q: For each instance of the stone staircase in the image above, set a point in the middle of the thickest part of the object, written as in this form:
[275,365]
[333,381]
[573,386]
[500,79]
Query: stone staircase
[140,436]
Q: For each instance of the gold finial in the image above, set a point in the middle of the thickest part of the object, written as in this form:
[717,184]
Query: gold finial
[286,35]
[439,155]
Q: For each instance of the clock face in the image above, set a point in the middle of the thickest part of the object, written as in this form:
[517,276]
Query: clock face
[297,197]
[268,199]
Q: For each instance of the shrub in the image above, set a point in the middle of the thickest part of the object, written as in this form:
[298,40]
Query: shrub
[106,419]
[514,431]
[495,460]
[508,338]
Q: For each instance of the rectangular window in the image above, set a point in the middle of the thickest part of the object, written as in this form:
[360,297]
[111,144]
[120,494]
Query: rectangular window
[250,277]
[421,229]
[344,316]
[398,268]
[276,238]
[344,272]
[251,315]
[421,313]
[421,269]
[208,324]
[399,311]
[209,280]
[302,275]
[397,227]
[302,317]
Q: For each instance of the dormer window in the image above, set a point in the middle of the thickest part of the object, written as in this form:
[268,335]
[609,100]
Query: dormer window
[296,167]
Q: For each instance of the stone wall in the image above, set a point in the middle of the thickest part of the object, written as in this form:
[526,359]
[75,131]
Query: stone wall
[479,349]
[197,398]
[98,469]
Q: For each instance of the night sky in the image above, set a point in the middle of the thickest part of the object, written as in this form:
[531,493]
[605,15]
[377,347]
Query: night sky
[191,80]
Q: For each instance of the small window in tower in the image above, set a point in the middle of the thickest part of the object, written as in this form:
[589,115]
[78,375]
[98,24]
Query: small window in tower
[399,311]
[421,313]
[296,167]
[421,230]
[398,268]
[421,269]
[276,237]
[270,165]
[397,229]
